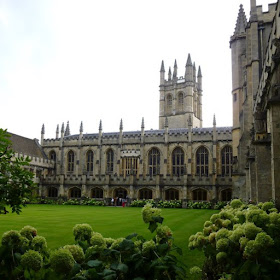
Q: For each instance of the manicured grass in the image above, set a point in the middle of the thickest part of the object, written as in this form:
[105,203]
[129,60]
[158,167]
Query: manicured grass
[55,223]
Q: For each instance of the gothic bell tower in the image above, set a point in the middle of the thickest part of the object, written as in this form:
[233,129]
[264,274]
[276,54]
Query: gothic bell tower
[180,97]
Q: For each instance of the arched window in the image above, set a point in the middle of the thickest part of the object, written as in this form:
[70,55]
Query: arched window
[226,195]
[75,192]
[145,194]
[199,194]
[71,159]
[227,161]
[171,194]
[178,164]
[89,157]
[52,156]
[97,193]
[180,102]
[202,162]
[154,162]
[52,192]
[110,161]
[169,103]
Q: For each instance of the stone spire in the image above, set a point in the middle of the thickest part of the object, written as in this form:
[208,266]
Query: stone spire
[194,73]
[162,67]
[67,130]
[43,129]
[57,132]
[100,133]
[62,128]
[62,134]
[241,22]
[169,74]
[142,130]
[162,72]
[81,128]
[121,125]
[100,125]
[214,120]
[42,134]
[199,79]
[189,70]
[175,70]
[189,60]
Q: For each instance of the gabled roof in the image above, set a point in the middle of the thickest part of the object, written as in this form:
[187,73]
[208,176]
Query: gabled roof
[29,147]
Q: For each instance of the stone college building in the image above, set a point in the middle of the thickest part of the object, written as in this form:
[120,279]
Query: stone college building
[182,159]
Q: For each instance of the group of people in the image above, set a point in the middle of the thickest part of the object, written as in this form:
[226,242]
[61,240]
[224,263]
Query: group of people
[119,201]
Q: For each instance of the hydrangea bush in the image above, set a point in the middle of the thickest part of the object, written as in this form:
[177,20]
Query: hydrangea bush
[241,242]
[24,254]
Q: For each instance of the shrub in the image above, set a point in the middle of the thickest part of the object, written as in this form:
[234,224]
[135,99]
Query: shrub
[243,242]
[32,260]
[76,251]
[11,238]
[39,243]
[82,232]
[29,232]
[62,261]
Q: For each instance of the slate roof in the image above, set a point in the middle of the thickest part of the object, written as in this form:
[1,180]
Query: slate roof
[29,147]
[152,132]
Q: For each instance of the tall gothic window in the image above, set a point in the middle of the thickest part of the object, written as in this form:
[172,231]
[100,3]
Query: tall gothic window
[75,192]
[202,162]
[89,157]
[110,161]
[169,104]
[70,158]
[52,156]
[154,162]
[227,161]
[171,194]
[180,102]
[145,194]
[130,165]
[199,194]
[97,193]
[178,164]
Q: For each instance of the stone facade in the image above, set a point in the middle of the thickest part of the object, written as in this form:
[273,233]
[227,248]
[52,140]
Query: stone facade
[181,160]
[256,104]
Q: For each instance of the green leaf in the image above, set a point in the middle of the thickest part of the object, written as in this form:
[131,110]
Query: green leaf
[152,226]
[94,263]
[122,267]
[162,248]
[158,219]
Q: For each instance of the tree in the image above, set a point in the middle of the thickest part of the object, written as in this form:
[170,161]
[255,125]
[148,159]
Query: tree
[16,183]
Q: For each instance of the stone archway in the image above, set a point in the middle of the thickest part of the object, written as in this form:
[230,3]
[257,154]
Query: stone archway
[119,195]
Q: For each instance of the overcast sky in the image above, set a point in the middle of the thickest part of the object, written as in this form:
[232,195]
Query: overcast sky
[89,60]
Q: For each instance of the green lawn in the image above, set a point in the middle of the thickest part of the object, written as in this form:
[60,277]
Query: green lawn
[55,223]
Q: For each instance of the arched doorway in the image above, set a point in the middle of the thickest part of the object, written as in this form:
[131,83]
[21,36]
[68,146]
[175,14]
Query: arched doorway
[75,193]
[96,193]
[145,193]
[171,194]
[119,195]
[52,192]
[226,195]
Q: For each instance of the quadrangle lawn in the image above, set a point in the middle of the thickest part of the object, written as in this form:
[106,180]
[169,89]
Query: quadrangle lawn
[55,223]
